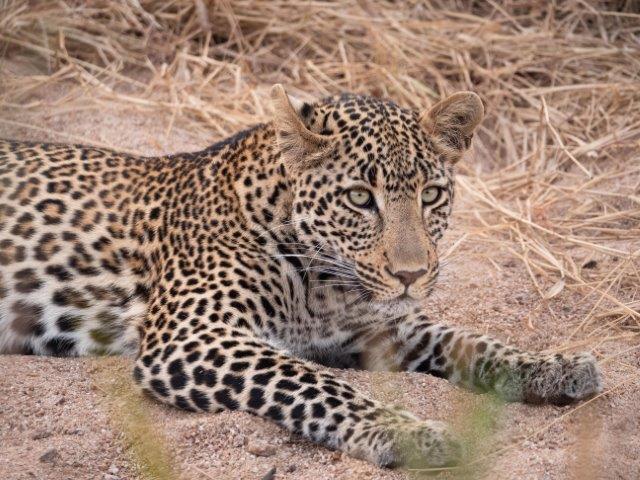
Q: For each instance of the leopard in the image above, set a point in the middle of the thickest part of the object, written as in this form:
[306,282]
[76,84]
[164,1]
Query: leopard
[244,276]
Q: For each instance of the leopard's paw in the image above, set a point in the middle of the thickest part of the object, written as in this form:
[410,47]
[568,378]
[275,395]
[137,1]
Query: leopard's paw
[426,444]
[563,379]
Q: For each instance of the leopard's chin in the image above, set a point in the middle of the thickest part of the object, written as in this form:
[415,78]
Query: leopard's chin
[400,305]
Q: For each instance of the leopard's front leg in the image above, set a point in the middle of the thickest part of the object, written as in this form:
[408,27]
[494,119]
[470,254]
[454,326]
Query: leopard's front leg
[220,367]
[479,362]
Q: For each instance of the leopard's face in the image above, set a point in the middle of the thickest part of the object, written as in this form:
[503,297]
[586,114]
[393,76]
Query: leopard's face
[375,205]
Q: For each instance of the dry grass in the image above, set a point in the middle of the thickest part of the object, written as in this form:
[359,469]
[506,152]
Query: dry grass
[146,444]
[555,178]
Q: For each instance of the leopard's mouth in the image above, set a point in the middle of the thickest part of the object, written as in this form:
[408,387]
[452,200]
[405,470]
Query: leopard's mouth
[413,295]
[360,286]
[404,296]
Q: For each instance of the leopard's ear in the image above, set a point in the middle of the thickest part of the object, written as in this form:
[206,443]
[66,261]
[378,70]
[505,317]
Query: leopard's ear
[452,122]
[300,147]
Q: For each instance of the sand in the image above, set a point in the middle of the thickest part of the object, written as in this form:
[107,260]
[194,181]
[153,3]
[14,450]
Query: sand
[59,418]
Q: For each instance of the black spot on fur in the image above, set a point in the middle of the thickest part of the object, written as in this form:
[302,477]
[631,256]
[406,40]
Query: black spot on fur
[256,398]
[263,378]
[199,399]
[60,346]
[204,376]
[224,398]
[159,387]
[178,381]
[236,382]
[265,363]
[275,413]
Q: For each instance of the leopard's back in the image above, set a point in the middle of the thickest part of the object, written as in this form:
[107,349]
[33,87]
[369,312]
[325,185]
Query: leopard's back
[68,279]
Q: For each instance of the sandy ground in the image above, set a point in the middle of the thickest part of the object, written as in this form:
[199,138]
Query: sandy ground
[57,417]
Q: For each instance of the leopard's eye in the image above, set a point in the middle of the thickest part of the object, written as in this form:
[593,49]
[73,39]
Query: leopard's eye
[361,198]
[431,195]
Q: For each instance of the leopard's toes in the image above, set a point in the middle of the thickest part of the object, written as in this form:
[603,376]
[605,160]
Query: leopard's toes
[582,379]
[561,380]
[427,444]
[440,447]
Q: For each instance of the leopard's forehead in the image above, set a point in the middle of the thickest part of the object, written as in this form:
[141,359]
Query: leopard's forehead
[381,142]
[362,118]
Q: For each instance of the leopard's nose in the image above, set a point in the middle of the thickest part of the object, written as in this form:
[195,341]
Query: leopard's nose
[407,278]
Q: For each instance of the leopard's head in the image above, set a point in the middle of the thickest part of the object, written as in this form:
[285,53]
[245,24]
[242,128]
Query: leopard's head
[373,187]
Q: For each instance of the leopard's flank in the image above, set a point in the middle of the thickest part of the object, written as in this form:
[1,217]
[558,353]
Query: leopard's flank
[233,273]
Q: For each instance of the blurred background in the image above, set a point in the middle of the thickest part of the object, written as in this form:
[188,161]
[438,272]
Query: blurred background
[545,246]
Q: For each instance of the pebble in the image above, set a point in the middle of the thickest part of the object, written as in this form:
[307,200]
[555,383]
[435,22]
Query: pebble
[260,449]
[520,299]
[270,475]
[41,434]
[50,456]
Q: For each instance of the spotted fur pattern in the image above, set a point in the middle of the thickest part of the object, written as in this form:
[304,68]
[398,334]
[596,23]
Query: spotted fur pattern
[233,272]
